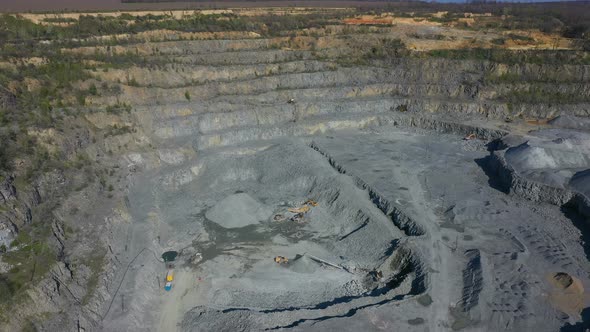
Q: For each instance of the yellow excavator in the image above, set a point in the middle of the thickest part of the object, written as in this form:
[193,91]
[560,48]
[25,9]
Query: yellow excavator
[281,260]
[304,208]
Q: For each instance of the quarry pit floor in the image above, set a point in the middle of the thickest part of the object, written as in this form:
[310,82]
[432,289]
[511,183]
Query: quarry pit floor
[408,232]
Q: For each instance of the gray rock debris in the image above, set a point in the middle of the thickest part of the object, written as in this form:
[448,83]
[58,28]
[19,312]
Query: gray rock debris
[238,210]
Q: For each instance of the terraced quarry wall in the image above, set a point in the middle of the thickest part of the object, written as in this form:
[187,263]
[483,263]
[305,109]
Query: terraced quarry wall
[415,219]
[190,108]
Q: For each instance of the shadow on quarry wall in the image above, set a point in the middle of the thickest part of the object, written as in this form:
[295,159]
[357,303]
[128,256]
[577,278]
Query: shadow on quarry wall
[494,179]
[582,326]
[412,266]
[581,223]
[495,145]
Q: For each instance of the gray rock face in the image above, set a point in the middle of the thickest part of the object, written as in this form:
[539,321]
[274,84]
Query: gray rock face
[552,166]
[7,234]
[550,156]
[472,280]
[7,189]
[571,122]
[551,149]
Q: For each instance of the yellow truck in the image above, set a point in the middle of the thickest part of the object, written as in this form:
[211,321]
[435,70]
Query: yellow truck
[169,279]
[170,275]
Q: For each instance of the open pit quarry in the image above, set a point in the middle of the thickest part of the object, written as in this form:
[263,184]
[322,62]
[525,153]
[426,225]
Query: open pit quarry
[464,234]
[402,197]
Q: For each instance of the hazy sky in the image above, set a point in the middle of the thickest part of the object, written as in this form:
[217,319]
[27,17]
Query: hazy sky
[56,5]
[23,5]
